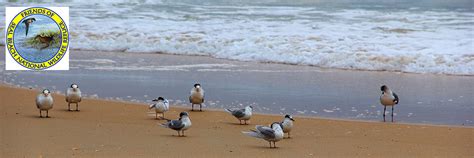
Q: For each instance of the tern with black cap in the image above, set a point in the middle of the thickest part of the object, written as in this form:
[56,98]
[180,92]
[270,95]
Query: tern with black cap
[44,102]
[180,125]
[161,105]
[196,96]
[73,96]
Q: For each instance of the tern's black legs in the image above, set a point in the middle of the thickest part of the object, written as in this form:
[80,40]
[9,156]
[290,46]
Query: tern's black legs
[77,106]
[245,122]
[392,113]
[274,145]
[384,108]
[162,116]
[181,134]
[41,114]
[192,107]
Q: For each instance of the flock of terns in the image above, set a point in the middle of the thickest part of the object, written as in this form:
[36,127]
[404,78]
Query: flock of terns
[273,133]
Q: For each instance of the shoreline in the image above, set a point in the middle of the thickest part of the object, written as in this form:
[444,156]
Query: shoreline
[256,113]
[280,63]
[271,88]
[105,128]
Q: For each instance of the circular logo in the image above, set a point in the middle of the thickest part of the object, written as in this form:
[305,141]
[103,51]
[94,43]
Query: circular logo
[37,38]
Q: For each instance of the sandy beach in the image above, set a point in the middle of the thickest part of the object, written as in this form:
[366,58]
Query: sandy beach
[328,63]
[122,129]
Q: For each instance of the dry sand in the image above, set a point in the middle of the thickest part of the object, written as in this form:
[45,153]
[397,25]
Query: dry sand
[119,129]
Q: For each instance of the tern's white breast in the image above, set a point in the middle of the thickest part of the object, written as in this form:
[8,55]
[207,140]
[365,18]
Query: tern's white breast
[278,135]
[161,107]
[73,96]
[196,97]
[287,125]
[43,102]
[247,115]
[187,123]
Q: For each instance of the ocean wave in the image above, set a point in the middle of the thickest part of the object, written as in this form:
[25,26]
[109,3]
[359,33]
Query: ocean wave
[410,40]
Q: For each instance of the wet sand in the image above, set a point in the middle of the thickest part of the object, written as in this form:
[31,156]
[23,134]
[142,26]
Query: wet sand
[123,129]
[271,88]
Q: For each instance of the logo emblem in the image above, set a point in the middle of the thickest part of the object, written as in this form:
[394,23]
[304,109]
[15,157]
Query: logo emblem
[37,38]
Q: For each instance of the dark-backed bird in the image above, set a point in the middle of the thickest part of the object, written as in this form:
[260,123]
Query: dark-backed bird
[179,125]
[27,23]
[274,133]
[388,98]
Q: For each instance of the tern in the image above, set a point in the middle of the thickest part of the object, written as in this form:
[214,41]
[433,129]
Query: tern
[274,133]
[44,102]
[180,125]
[27,23]
[74,96]
[161,106]
[241,114]
[197,96]
[287,124]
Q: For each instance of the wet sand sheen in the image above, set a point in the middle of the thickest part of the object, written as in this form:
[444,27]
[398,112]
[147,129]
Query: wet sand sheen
[270,88]
[122,129]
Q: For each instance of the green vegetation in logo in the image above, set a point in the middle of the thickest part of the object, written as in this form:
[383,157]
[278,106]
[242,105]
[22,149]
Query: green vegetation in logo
[44,39]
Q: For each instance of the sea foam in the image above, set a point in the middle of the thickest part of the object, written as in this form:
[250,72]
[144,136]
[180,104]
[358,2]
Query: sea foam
[406,40]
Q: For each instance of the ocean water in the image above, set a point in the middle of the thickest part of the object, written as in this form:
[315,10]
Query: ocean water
[427,36]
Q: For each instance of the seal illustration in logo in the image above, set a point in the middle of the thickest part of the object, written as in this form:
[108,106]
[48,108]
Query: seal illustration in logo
[37,38]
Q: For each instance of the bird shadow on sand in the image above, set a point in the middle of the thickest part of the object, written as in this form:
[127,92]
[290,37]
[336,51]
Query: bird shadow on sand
[38,117]
[174,136]
[388,121]
[261,147]
[66,110]
[235,123]
[194,110]
[155,119]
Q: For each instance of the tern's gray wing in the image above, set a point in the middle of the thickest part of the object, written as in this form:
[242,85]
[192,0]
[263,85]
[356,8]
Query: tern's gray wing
[396,98]
[266,131]
[175,124]
[239,113]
